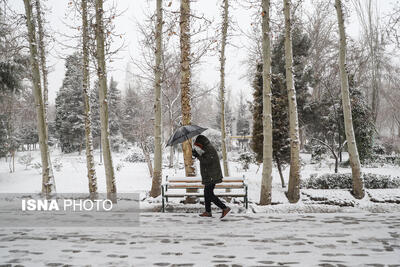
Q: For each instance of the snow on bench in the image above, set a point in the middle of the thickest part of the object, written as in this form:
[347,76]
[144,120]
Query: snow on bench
[176,187]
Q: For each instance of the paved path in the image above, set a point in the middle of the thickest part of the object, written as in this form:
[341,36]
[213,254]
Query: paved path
[348,239]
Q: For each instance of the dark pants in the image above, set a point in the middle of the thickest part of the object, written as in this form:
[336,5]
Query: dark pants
[210,197]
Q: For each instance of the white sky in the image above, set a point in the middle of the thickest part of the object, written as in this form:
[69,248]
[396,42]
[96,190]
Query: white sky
[125,24]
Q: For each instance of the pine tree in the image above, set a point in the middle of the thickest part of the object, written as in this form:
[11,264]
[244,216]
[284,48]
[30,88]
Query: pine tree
[130,112]
[242,121]
[114,103]
[70,124]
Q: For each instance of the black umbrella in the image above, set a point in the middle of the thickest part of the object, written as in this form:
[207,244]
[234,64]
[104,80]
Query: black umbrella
[184,133]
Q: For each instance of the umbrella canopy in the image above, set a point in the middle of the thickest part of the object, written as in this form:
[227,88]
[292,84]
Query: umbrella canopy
[184,133]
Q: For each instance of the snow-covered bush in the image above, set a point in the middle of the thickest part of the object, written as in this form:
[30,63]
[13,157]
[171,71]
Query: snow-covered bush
[118,143]
[245,159]
[135,156]
[344,181]
[318,152]
[26,160]
[57,164]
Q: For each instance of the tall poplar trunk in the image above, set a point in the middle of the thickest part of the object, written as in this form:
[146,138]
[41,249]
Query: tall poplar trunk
[44,70]
[358,186]
[102,75]
[266,182]
[185,82]
[157,173]
[185,89]
[48,184]
[91,171]
[293,193]
[222,85]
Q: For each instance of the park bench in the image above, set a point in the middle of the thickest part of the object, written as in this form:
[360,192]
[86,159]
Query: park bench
[175,187]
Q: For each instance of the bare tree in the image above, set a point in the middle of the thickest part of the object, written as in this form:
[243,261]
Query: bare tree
[358,187]
[88,118]
[293,193]
[157,174]
[266,182]
[185,83]
[222,60]
[368,15]
[44,71]
[48,183]
[102,76]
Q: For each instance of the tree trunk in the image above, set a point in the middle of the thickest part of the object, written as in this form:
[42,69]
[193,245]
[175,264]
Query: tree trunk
[91,171]
[44,70]
[147,157]
[293,193]
[48,184]
[157,174]
[278,163]
[185,82]
[185,88]
[222,85]
[102,75]
[358,187]
[266,182]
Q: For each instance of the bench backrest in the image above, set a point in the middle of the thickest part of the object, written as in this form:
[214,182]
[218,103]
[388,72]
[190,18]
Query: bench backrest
[229,179]
[195,182]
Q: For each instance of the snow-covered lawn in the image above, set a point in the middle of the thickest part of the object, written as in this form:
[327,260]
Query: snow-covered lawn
[134,177]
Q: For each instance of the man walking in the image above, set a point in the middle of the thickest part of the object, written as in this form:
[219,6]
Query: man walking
[211,173]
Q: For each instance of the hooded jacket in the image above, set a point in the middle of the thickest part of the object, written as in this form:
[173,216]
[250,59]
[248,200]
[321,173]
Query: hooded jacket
[210,167]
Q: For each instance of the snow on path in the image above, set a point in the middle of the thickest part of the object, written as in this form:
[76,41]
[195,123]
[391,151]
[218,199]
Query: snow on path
[178,239]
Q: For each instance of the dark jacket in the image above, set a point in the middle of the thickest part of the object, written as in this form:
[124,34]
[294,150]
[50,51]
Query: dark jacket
[210,167]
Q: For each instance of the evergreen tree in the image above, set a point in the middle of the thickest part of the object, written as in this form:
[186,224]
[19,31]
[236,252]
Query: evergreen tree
[302,74]
[69,107]
[114,103]
[280,120]
[242,122]
[129,113]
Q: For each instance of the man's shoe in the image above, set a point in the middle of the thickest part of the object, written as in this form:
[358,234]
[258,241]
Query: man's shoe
[205,214]
[225,211]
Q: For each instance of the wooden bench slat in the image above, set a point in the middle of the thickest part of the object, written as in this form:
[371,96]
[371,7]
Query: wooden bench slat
[222,194]
[199,181]
[176,186]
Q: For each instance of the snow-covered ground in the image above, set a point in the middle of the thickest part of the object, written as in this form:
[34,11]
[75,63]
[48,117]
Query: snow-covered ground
[325,228]
[134,177]
[171,239]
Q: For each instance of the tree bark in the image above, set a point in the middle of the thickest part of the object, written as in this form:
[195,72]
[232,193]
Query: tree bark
[278,163]
[293,193]
[157,173]
[185,89]
[266,182]
[358,186]
[48,184]
[185,82]
[91,171]
[102,75]
[222,85]
[44,70]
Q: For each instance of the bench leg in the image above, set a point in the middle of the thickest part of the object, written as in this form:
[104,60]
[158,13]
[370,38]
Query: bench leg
[246,200]
[162,199]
